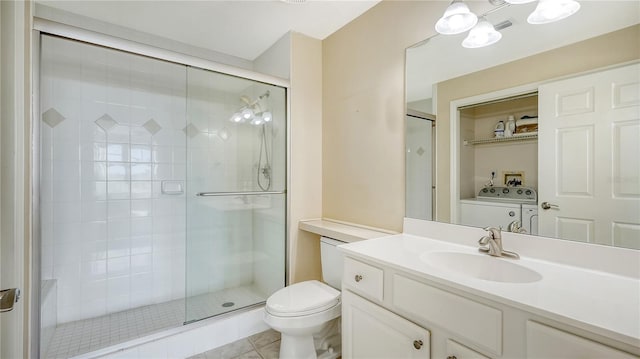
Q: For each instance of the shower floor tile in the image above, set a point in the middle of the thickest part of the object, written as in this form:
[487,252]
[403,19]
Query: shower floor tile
[84,336]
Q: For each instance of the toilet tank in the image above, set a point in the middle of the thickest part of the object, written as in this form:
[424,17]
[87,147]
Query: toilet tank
[331,259]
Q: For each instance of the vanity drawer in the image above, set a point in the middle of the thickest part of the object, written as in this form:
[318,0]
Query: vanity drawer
[363,278]
[474,322]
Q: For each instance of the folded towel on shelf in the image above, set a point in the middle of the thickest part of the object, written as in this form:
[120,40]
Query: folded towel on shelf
[527,124]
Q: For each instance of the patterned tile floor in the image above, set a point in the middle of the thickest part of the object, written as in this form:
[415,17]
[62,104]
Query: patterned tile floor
[84,336]
[265,345]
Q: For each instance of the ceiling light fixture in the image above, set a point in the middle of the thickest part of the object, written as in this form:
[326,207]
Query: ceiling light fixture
[456,19]
[553,10]
[483,34]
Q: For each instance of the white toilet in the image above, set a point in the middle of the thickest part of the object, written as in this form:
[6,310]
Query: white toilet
[307,313]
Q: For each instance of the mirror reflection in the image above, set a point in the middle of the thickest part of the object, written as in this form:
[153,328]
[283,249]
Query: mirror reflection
[538,133]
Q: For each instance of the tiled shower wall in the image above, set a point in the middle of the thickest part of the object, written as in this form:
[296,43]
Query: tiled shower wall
[112,132]
[227,235]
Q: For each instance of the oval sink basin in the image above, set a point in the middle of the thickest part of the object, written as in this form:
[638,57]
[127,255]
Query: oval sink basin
[480,266]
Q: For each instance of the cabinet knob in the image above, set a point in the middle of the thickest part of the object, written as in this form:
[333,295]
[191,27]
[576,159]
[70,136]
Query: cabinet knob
[358,277]
[452,357]
[417,344]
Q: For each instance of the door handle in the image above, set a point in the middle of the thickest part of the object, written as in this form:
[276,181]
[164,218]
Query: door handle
[547,205]
[8,297]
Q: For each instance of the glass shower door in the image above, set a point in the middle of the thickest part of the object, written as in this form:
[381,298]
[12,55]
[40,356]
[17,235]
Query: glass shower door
[236,194]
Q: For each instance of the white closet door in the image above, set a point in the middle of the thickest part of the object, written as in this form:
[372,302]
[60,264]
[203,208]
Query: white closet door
[589,157]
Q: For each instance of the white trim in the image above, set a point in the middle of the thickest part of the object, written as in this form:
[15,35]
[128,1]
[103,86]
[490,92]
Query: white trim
[288,266]
[454,132]
[34,183]
[14,155]
[76,33]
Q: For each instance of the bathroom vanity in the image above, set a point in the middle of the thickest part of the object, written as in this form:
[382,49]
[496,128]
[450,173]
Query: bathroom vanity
[431,293]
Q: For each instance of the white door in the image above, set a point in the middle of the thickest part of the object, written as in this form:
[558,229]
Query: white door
[370,331]
[588,150]
[14,69]
[419,168]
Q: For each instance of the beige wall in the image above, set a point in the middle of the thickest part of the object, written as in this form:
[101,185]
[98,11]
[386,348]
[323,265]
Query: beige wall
[305,189]
[363,106]
[613,48]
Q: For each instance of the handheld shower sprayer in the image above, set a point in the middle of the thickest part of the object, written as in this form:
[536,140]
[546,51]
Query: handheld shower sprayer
[264,171]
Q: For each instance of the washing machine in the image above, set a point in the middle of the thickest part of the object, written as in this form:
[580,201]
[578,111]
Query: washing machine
[500,207]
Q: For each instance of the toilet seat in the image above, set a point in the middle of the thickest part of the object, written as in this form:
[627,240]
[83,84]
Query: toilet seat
[302,299]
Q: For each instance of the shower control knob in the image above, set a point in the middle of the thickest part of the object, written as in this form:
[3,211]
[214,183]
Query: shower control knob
[358,277]
[417,344]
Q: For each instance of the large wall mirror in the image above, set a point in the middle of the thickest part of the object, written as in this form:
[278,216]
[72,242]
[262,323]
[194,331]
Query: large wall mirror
[538,133]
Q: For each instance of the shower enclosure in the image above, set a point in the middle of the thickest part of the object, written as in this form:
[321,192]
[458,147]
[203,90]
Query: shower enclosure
[162,194]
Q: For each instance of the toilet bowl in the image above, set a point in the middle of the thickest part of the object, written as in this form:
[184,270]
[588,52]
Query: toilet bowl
[307,313]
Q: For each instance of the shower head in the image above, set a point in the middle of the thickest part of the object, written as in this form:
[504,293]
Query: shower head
[252,111]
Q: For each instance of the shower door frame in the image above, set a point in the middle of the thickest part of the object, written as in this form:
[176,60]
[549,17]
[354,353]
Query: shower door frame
[47,27]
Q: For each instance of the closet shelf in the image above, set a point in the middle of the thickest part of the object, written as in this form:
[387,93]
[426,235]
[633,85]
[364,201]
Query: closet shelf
[483,141]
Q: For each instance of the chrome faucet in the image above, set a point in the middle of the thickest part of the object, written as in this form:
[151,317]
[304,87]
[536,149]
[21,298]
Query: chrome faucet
[494,242]
[516,227]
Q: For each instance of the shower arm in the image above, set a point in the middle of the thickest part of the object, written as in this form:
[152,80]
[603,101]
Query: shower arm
[253,103]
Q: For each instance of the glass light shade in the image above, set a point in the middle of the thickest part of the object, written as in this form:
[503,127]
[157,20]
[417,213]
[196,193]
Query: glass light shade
[257,121]
[456,19]
[553,10]
[247,113]
[266,116]
[483,34]
[519,1]
[236,117]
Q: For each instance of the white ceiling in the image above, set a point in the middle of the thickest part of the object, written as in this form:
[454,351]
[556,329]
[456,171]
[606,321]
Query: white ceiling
[443,57]
[239,28]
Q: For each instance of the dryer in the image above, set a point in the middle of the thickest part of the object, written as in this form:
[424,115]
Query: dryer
[501,206]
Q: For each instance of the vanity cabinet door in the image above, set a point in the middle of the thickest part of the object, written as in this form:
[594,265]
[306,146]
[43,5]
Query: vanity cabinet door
[370,331]
[459,351]
[545,342]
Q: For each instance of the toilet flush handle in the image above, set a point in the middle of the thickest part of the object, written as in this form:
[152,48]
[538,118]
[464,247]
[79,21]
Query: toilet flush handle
[358,277]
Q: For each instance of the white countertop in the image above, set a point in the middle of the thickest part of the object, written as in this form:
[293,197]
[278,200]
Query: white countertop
[342,231]
[603,303]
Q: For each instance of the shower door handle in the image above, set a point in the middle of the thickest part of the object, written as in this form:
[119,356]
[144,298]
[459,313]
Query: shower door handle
[8,297]
[220,194]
